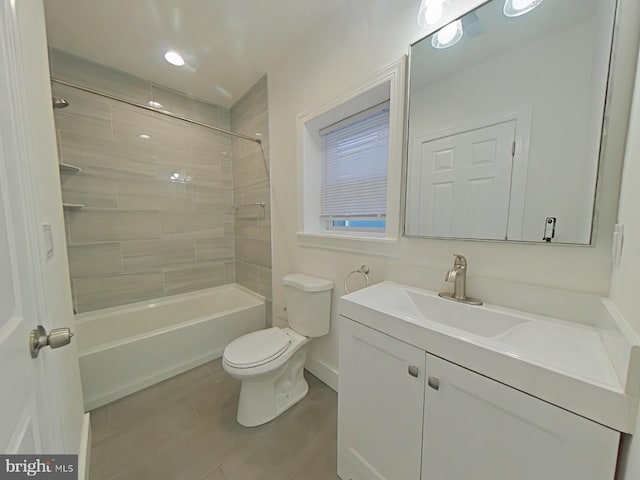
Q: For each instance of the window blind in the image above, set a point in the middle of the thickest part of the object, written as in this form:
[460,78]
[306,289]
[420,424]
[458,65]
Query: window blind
[354,166]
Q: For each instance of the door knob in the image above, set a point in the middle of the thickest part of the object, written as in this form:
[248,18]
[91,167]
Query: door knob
[38,338]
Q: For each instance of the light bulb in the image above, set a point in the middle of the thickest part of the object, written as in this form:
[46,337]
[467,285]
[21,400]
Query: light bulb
[431,12]
[174,58]
[515,8]
[448,35]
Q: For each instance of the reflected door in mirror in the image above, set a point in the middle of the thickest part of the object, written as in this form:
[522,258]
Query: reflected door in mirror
[463,182]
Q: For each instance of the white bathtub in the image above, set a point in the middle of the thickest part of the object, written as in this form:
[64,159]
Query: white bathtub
[125,349]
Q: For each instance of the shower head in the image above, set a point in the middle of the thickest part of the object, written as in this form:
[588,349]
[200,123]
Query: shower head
[60,102]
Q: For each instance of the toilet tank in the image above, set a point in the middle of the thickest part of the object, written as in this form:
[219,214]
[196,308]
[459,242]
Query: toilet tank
[308,304]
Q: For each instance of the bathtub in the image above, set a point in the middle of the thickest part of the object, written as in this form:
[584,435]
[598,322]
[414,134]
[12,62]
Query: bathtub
[125,349]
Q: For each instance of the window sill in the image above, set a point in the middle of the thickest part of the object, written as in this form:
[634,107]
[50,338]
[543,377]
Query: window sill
[356,242]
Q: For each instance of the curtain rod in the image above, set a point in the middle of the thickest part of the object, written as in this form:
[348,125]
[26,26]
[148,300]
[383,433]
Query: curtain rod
[151,109]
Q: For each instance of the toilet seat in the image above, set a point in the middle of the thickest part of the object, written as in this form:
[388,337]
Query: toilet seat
[257,348]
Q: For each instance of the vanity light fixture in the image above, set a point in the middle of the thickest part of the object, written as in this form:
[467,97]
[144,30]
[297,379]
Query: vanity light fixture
[431,12]
[448,35]
[174,58]
[515,8]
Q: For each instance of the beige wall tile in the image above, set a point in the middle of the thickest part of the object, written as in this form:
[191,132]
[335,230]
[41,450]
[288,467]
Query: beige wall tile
[131,122]
[192,224]
[102,226]
[68,67]
[95,260]
[246,272]
[252,231]
[209,197]
[229,272]
[246,228]
[87,114]
[153,194]
[97,155]
[184,106]
[255,192]
[193,278]
[189,164]
[101,292]
[150,255]
[90,190]
[214,249]
[264,228]
[257,252]
[207,142]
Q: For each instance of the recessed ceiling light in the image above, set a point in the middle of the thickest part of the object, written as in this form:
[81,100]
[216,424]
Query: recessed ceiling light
[154,104]
[448,35]
[144,136]
[174,58]
[258,134]
[515,8]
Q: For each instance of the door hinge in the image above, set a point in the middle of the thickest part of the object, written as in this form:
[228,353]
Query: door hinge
[513,149]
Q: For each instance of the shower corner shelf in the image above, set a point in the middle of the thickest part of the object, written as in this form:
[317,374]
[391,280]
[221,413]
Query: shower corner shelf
[69,169]
[73,206]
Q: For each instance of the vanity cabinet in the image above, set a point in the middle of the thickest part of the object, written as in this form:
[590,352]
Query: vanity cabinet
[405,414]
[477,428]
[380,406]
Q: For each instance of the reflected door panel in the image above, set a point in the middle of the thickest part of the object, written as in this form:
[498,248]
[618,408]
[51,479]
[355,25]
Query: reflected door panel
[465,181]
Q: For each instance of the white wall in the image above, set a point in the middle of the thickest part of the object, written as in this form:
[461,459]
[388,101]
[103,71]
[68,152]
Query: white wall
[349,49]
[625,280]
[561,173]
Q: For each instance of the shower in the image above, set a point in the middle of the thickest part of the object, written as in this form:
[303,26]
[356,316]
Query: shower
[59,102]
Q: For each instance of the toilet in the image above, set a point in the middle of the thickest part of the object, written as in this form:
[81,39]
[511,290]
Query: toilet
[270,362]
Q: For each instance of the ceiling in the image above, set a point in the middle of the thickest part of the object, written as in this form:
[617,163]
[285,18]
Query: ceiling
[227,44]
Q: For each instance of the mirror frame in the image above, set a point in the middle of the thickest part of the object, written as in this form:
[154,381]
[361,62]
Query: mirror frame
[602,150]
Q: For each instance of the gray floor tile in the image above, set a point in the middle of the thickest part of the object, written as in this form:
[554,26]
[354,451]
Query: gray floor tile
[185,428]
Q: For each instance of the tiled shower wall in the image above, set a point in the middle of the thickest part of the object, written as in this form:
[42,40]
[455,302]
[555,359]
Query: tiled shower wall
[249,115]
[140,235]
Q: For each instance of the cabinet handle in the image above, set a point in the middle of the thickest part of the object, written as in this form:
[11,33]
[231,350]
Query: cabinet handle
[413,371]
[434,383]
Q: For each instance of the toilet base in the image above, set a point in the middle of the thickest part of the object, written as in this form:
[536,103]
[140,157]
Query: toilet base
[266,397]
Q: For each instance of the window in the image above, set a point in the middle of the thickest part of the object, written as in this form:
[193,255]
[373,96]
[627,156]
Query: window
[353,184]
[350,166]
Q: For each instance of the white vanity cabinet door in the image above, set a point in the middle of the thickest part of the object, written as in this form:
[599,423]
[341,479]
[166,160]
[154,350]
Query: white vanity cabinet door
[477,428]
[380,405]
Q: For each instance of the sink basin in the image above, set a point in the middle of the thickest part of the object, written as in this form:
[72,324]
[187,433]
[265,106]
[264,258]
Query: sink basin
[589,370]
[477,320]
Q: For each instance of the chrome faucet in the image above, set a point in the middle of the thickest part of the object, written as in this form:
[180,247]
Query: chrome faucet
[458,275]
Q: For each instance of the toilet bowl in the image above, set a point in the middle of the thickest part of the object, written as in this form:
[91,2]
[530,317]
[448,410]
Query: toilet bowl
[270,362]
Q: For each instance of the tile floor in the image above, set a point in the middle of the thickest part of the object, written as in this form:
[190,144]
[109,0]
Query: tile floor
[185,429]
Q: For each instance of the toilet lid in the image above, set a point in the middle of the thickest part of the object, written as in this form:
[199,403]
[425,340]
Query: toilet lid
[257,348]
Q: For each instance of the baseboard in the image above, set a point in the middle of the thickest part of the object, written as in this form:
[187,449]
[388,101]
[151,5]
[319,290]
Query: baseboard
[93,403]
[323,371]
[84,455]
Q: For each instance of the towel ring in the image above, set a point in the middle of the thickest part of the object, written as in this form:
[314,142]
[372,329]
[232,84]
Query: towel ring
[364,271]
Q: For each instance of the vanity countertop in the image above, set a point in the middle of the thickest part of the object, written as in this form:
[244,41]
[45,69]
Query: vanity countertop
[588,370]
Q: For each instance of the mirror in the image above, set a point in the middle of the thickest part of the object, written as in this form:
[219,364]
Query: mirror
[505,120]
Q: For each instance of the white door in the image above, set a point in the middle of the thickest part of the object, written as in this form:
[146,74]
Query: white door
[477,428]
[41,401]
[465,183]
[380,405]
